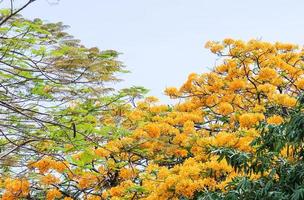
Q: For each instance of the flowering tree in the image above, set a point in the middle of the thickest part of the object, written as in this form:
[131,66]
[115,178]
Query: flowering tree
[53,93]
[235,133]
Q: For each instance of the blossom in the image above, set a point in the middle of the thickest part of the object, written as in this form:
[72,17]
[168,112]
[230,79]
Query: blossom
[300,83]
[267,73]
[102,152]
[86,180]
[181,152]
[228,41]
[188,127]
[53,194]
[275,120]
[225,108]
[16,188]
[152,130]
[93,197]
[186,187]
[49,179]
[172,92]
[126,173]
[214,46]
[247,120]
[225,139]
[285,100]
[237,84]
[211,100]
[266,88]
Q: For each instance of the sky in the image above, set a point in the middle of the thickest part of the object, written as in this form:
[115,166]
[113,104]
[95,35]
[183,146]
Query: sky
[162,41]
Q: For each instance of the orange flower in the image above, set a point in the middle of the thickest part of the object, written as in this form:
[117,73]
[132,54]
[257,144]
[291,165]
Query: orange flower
[225,108]
[172,92]
[49,179]
[53,194]
[267,73]
[275,120]
[125,173]
[17,188]
[153,130]
[237,84]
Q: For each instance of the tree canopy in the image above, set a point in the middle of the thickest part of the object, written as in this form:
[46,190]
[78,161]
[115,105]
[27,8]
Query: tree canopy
[235,132]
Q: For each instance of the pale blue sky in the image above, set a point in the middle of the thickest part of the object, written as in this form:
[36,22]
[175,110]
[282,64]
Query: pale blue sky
[162,41]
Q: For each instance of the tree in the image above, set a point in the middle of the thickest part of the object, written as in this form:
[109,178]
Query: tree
[236,132]
[54,92]
[224,140]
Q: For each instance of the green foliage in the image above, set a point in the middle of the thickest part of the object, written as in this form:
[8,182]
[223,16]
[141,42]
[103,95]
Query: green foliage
[280,178]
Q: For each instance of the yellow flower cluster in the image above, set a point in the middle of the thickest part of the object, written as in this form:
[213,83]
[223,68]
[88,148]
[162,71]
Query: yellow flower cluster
[214,46]
[225,108]
[172,92]
[300,83]
[15,189]
[237,84]
[220,108]
[153,130]
[86,180]
[267,74]
[248,120]
[53,194]
[275,120]
[126,173]
[284,100]
[49,179]
[48,163]
[241,89]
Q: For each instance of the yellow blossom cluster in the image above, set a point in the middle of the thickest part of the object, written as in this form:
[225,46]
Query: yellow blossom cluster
[53,194]
[16,189]
[275,120]
[48,163]
[164,152]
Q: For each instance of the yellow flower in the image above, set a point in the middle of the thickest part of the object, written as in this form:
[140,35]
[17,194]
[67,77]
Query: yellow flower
[49,179]
[228,41]
[211,100]
[225,108]
[16,188]
[172,92]
[125,173]
[267,74]
[247,120]
[53,194]
[225,139]
[116,191]
[244,144]
[285,100]
[60,166]
[259,108]
[152,130]
[158,109]
[102,152]
[267,88]
[180,139]
[237,84]
[186,187]
[93,197]
[151,99]
[275,120]
[86,180]
[188,127]
[181,152]
[300,83]
[214,46]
